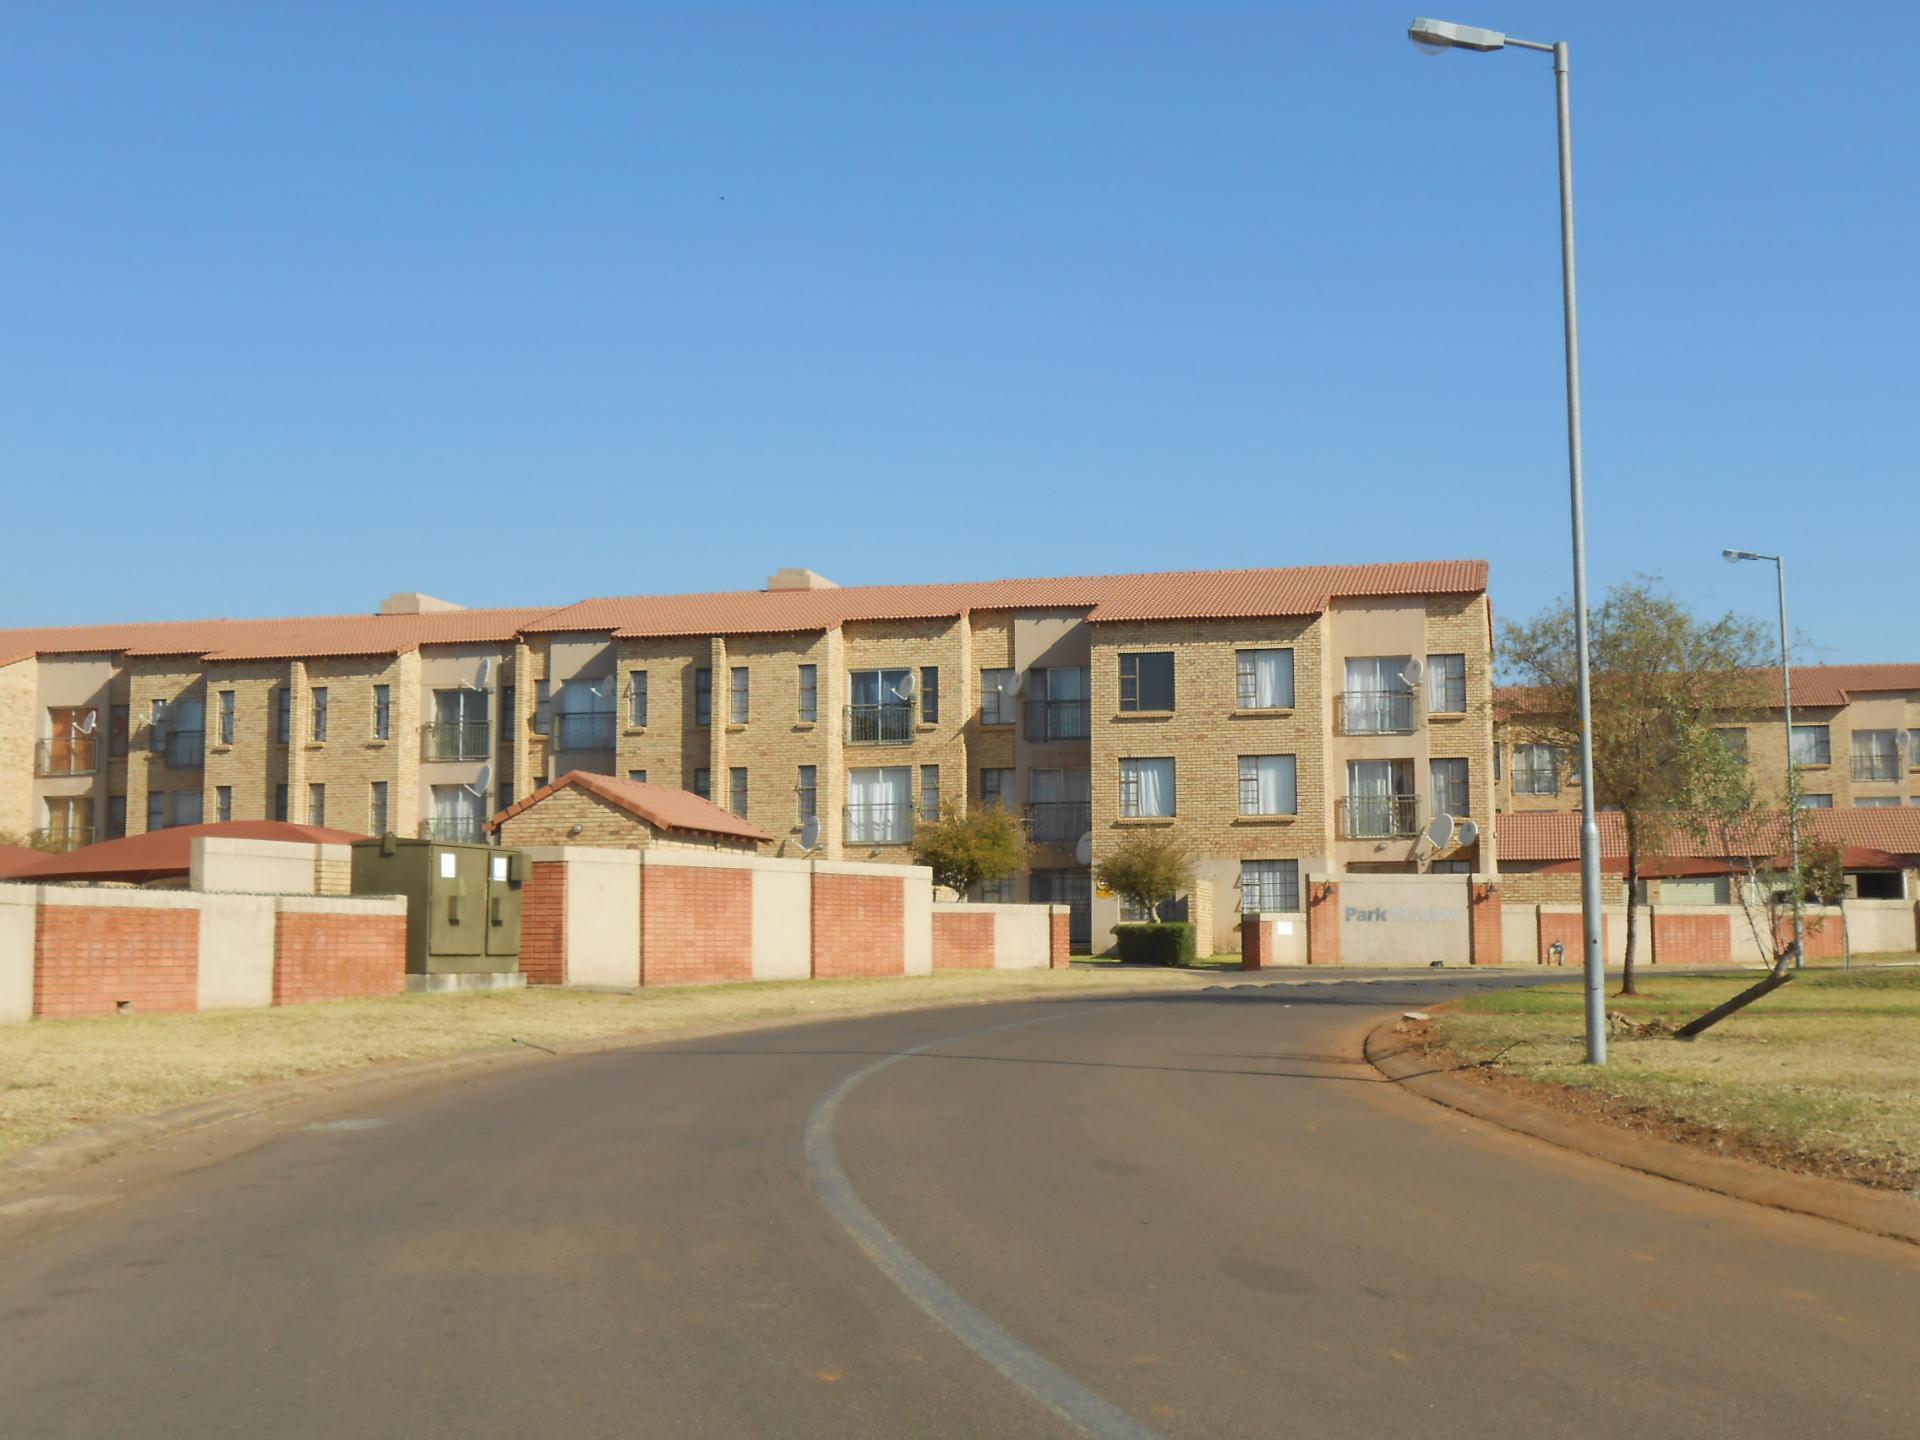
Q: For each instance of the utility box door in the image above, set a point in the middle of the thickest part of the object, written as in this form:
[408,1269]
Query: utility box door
[504,889]
[457,903]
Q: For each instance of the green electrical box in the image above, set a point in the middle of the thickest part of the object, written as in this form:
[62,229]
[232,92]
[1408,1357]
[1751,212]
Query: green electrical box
[463,901]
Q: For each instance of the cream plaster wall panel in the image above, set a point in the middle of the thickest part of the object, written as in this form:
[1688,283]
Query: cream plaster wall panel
[21,718]
[1022,935]
[1404,920]
[603,916]
[258,867]
[236,950]
[18,917]
[1519,934]
[1879,927]
[782,922]
[917,910]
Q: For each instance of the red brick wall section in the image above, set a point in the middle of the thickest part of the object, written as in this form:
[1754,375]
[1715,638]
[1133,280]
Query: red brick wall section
[543,923]
[88,959]
[1323,924]
[1692,939]
[1060,941]
[859,925]
[1826,940]
[1253,938]
[1483,913]
[962,942]
[696,925]
[1566,929]
[338,957]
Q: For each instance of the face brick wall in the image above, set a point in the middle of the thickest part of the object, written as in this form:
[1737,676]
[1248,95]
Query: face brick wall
[1323,925]
[1061,945]
[696,926]
[338,957]
[1691,939]
[1483,910]
[962,942]
[1566,930]
[543,924]
[86,960]
[859,925]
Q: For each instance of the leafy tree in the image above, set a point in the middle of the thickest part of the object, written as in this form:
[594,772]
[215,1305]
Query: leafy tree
[975,848]
[1661,677]
[1147,867]
[1767,886]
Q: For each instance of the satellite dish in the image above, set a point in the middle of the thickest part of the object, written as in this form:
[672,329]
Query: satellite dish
[1439,831]
[1415,672]
[483,782]
[89,722]
[810,833]
[1018,683]
[601,687]
[906,687]
[1469,832]
[486,673]
[1083,852]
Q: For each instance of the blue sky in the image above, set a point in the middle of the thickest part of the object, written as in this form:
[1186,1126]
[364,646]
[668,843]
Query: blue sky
[517,303]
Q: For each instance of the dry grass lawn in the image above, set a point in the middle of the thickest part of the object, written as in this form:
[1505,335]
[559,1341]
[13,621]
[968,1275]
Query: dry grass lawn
[58,1075]
[1823,1074]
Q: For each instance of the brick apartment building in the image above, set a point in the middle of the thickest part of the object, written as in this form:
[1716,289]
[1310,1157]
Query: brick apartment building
[1279,721]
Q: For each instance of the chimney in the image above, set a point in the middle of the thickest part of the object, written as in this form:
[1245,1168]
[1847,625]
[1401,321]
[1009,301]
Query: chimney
[798,579]
[412,602]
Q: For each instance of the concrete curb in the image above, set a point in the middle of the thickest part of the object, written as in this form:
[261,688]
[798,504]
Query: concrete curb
[1876,1212]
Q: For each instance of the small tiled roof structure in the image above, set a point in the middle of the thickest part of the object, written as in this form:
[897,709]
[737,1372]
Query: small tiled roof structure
[1815,687]
[161,854]
[1869,838]
[665,809]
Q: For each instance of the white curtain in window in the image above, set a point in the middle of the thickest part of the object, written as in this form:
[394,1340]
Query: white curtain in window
[879,805]
[1272,679]
[1370,779]
[1275,776]
[1376,674]
[1155,786]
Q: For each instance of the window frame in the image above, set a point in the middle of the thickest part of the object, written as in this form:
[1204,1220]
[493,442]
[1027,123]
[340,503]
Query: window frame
[809,694]
[1250,775]
[639,698]
[1246,664]
[1130,799]
[1441,673]
[739,694]
[703,695]
[1005,706]
[1278,875]
[317,714]
[929,696]
[1132,682]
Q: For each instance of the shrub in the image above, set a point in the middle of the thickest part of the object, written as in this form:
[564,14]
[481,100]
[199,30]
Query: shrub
[976,848]
[1160,943]
[1147,867]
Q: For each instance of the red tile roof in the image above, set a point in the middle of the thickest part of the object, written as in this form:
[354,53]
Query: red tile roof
[285,639]
[659,805]
[1814,686]
[14,858]
[1554,836]
[167,852]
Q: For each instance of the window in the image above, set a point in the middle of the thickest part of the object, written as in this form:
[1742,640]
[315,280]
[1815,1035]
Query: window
[229,703]
[504,798]
[1536,770]
[638,777]
[1812,745]
[1446,684]
[543,706]
[280,801]
[1877,802]
[1265,679]
[741,705]
[1057,705]
[994,892]
[996,697]
[880,806]
[637,698]
[377,809]
[509,716]
[1816,802]
[1381,803]
[459,728]
[319,712]
[459,815]
[929,693]
[1913,749]
[880,711]
[1146,681]
[1268,885]
[1876,755]
[119,722]
[283,714]
[703,696]
[70,746]
[383,711]
[808,789]
[737,790]
[1146,788]
[587,715]
[1499,757]
[156,810]
[1450,793]
[157,728]
[703,782]
[1059,805]
[316,804]
[929,792]
[1377,699]
[1268,785]
[996,788]
[1735,739]
[809,693]
[116,817]
[223,803]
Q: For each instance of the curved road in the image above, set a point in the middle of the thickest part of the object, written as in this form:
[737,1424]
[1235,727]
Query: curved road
[1186,1215]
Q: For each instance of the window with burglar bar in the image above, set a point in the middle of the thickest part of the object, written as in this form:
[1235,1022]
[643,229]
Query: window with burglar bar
[1536,770]
[1451,794]
[1146,788]
[1146,681]
[1268,785]
[1446,684]
[1812,745]
[1269,885]
[1265,679]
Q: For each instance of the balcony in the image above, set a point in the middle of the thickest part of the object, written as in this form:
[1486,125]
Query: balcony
[180,749]
[1872,766]
[890,724]
[63,837]
[68,755]
[455,830]
[1059,821]
[456,740]
[882,824]
[1379,817]
[584,731]
[1376,712]
[1059,720]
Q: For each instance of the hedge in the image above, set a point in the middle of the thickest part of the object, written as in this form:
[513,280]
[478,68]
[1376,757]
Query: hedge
[1159,943]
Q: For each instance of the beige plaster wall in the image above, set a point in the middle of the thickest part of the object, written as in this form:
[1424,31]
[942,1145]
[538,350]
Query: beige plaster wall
[257,867]
[236,950]
[18,917]
[783,920]
[1403,919]
[603,916]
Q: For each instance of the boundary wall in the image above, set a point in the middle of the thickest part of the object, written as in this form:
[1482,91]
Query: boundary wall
[222,864]
[70,952]
[622,919]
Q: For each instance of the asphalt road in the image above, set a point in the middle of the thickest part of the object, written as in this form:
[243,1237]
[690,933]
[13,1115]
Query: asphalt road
[1194,1215]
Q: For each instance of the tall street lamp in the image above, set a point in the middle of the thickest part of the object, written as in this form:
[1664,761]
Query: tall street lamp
[1734,557]
[1440,35]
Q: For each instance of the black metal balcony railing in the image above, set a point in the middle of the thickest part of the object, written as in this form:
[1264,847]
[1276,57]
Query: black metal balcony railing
[456,740]
[76,755]
[1059,820]
[1379,817]
[63,837]
[1376,712]
[181,749]
[1874,766]
[882,824]
[585,731]
[890,724]
[1059,719]
[455,829]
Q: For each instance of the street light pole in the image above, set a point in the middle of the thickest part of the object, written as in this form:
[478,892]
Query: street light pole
[1734,557]
[1440,35]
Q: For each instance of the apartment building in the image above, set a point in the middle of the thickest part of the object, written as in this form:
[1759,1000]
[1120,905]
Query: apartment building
[1279,722]
[1856,741]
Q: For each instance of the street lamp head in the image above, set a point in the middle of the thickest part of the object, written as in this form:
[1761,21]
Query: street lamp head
[1734,557]
[1431,37]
